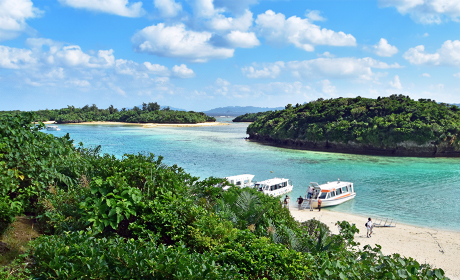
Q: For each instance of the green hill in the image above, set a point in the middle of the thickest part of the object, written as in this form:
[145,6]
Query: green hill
[395,125]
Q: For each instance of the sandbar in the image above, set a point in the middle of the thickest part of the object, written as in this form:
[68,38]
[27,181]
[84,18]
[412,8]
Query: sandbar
[439,248]
[148,125]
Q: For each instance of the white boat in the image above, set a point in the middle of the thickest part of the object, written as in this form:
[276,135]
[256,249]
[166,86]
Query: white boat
[52,127]
[275,186]
[242,181]
[332,193]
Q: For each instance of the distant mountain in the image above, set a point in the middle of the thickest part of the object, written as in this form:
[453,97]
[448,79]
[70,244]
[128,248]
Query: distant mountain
[238,110]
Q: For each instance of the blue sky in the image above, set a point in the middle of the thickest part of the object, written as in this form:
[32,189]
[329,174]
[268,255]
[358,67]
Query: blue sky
[203,54]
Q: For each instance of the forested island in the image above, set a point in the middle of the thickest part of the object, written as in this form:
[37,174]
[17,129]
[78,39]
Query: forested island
[97,216]
[250,117]
[148,113]
[394,125]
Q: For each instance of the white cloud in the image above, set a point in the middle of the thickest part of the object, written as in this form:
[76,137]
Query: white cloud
[314,15]
[326,54]
[426,11]
[157,69]
[176,41]
[14,58]
[426,75]
[300,32]
[425,34]
[182,71]
[13,16]
[73,56]
[221,22]
[168,8]
[457,75]
[327,87]
[238,39]
[384,49]
[396,83]
[116,89]
[116,7]
[347,67]
[448,54]
[269,71]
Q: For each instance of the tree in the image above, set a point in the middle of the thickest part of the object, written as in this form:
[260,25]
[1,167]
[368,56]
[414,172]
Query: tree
[153,106]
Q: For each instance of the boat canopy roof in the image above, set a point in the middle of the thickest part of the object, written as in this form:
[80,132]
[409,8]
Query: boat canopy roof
[273,181]
[241,177]
[330,185]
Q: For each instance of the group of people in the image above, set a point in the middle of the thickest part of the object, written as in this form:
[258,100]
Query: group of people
[311,194]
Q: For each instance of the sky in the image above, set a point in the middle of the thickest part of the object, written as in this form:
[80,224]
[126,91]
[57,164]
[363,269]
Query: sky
[202,54]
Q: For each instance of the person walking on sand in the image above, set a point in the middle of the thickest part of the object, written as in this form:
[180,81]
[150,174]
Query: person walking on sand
[369,227]
[300,201]
[319,204]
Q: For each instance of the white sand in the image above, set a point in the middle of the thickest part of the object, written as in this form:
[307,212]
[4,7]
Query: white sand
[439,248]
[152,125]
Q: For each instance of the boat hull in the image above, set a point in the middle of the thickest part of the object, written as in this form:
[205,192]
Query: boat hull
[279,192]
[333,202]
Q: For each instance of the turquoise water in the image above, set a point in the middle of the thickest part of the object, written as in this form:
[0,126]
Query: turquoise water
[418,191]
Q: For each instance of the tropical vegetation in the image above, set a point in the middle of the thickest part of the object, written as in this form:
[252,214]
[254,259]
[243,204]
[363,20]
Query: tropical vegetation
[103,217]
[250,117]
[147,113]
[382,123]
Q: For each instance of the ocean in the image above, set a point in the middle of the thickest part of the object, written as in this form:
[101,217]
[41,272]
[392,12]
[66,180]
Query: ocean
[417,191]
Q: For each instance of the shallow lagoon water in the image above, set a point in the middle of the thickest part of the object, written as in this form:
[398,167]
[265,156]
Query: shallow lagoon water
[417,191]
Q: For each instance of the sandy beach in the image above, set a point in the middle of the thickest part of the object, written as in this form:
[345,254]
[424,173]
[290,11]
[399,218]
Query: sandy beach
[439,248]
[149,125]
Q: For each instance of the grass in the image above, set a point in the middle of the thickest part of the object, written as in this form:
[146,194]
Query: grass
[15,242]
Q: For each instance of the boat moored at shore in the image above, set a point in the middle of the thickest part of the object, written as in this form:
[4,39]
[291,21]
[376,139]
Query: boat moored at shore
[275,187]
[332,193]
[52,127]
[242,181]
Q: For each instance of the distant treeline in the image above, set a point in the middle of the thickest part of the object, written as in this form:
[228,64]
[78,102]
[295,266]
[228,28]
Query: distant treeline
[149,113]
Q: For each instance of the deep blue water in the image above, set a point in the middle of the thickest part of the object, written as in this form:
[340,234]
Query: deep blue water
[418,191]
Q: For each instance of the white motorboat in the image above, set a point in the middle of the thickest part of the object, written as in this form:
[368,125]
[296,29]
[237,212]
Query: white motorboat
[332,193]
[52,127]
[275,187]
[242,181]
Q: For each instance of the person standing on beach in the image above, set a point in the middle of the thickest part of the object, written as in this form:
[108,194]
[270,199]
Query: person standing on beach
[286,202]
[369,227]
[319,204]
[310,201]
[300,201]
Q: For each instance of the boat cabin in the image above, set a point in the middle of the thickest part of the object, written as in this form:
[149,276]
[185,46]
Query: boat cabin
[242,181]
[333,193]
[275,186]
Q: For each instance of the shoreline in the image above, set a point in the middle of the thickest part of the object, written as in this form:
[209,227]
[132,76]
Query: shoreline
[145,125]
[439,248]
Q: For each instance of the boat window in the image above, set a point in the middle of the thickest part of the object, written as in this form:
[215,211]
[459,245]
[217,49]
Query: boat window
[332,194]
[338,191]
[323,195]
[344,189]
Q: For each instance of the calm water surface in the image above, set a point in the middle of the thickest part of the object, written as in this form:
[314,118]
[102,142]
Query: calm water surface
[418,191]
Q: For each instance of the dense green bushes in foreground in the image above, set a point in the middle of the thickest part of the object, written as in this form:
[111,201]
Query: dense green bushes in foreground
[382,122]
[149,113]
[136,218]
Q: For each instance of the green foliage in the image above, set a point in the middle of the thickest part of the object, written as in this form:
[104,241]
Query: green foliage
[137,218]
[251,117]
[381,123]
